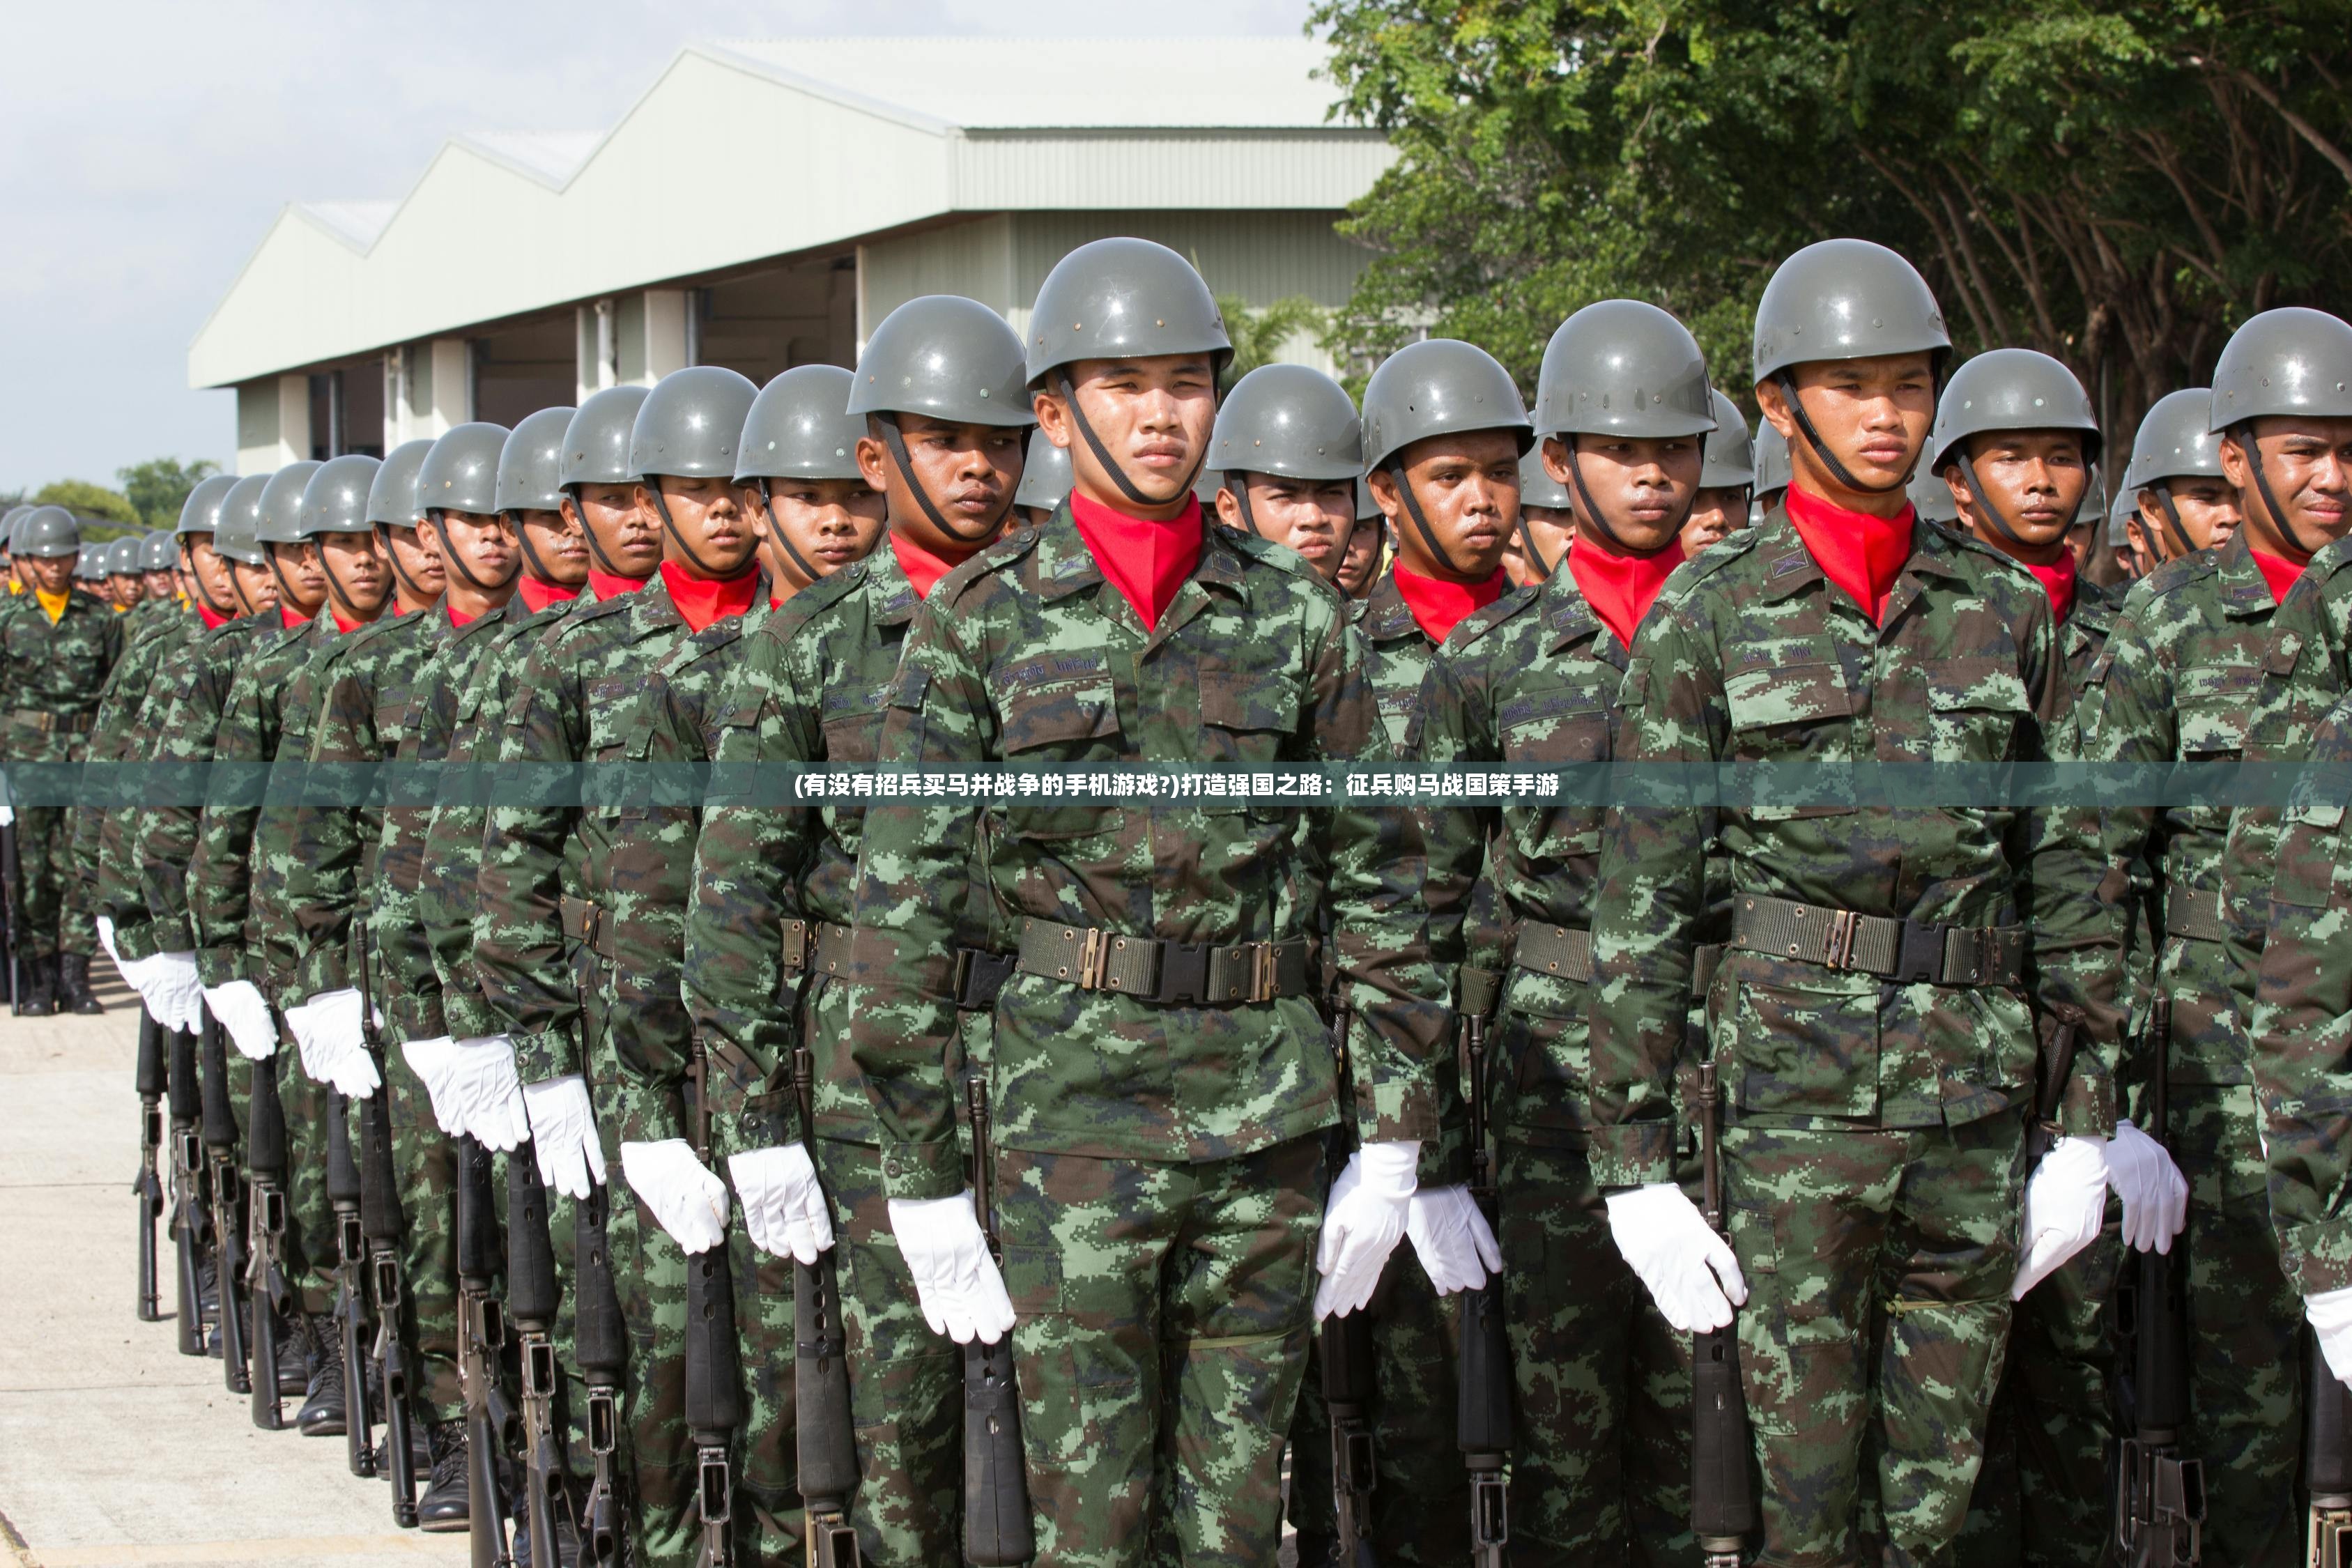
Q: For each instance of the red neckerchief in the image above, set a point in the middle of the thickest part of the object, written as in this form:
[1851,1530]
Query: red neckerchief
[1438,607]
[705,600]
[1860,553]
[924,568]
[457,623]
[537,595]
[1146,560]
[342,626]
[291,621]
[2277,571]
[213,618]
[1621,588]
[604,585]
[2057,580]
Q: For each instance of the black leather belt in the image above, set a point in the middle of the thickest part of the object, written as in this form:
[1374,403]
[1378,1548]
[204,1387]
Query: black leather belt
[1196,974]
[51,723]
[1906,952]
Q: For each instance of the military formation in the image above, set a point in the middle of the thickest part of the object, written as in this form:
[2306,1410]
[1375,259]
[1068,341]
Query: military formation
[635,1162]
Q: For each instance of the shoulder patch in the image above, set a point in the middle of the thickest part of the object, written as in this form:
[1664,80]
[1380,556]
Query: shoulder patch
[1007,549]
[2178,573]
[1479,623]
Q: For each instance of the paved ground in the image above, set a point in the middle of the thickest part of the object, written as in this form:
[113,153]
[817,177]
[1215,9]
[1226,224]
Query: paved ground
[114,1449]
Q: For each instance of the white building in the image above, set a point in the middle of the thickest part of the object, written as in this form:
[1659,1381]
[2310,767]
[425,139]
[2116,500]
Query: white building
[761,206]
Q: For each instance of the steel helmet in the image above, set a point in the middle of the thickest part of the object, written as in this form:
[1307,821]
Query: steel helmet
[2176,441]
[123,555]
[1621,367]
[1731,456]
[392,496]
[237,535]
[2094,499]
[2010,389]
[159,551]
[1288,420]
[1441,386]
[1045,475]
[596,442]
[336,499]
[1844,298]
[946,357]
[91,564]
[1537,487]
[1367,505]
[1771,458]
[48,531]
[281,504]
[461,472]
[690,425]
[799,427]
[528,461]
[8,520]
[2290,361]
[200,513]
[1123,297]
[1930,497]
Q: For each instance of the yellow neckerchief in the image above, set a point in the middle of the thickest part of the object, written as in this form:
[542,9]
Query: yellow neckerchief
[53,605]
[15,587]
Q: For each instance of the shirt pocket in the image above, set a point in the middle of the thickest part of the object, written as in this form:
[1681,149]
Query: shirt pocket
[617,725]
[1057,709]
[1788,701]
[852,723]
[1247,716]
[1976,709]
[2213,706]
[1802,1048]
[1558,726]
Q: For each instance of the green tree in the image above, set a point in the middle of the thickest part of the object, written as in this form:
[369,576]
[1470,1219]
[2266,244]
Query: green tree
[158,488]
[1259,334]
[86,500]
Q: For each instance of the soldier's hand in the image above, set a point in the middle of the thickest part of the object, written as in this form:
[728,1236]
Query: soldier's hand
[244,1012]
[1452,1239]
[2065,1201]
[563,1135]
[2153,1193]
[482,1076]
[434,1061]
[1690,1271]
[961,1291]
[167,983]
[2330,1312]
[1362,1223]
[334,1047]
[685,1199]
[783,1206]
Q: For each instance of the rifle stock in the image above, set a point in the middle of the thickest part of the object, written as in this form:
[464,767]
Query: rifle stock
[2160,1506]
[147,1186]
[266,1291]
[997,1530]
[12,906]
[344,1191]
[600,1345]
[1482,1410]
[824,1429]
[481,1334]
[1723,1510]
[228,1236]
[380,1222]
[188,1220]
[532,1301]
[714,1377]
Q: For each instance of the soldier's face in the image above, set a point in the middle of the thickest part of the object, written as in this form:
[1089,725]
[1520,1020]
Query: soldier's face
[1872,413]
[1717,511]
[1468,487]
[357,575]
[1641,486]
[1362,561]
[2309,465]
[301,586]
[627,537]
[2208,508]
[416,559]
[484,545]
[970,472]
[159,584]
[1312,517]
[2033,479]
[830,522]
[256,588]
[1555,532]
[50,574]
[128,589]
[1152,415]
[713,536]
[217,587]
[556,543]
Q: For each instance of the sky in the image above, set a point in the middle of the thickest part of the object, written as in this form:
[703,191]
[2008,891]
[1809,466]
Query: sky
[146,146]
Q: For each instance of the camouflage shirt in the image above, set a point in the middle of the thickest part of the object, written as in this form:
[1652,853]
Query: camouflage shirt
[1027,654]
[56,672]
[164,838]
[130,715]
[1750,655]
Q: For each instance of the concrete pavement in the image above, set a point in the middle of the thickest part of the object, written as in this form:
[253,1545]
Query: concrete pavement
[115,1449]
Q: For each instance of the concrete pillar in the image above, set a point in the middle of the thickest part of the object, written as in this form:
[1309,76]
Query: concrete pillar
[396,399]
[453,385]
[273,423]
[293,419]
[666,342]
[428,388]
[596,349]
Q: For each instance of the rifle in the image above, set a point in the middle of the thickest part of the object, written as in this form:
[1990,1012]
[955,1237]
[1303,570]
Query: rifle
[824,1429]
[188,1218]
[481,1335]
[1344,1355]
[2327,1456]
[344,1191]
[2160,1495]
[532,1301]
[12,904]
[147,1186]
[601,1344]
[1723,1489]
[266,1289]
[714,1377]
[228,1238]
[380,1219]
[1483,1412]
[997,1531]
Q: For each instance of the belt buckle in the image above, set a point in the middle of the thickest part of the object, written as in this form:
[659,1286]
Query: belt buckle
[1262,971]
[1838,950]
[1092,954]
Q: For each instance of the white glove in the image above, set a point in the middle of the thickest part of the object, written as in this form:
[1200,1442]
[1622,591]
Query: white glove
[956,1280]
[2155,1194]
[1689,1270]
[245,1014]
[687,1200]
[327,1031]
[105,934]
[482,1076]
[563,1135]
[1362,1223]
[7,816]
[1452,1239]
[2330,1312]
[434,1062]
[783,1206]
[2065,1200]
[167,983]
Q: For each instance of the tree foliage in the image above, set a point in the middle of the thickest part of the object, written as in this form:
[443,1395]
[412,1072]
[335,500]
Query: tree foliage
[86,500]
[2117,183]
[158,488]
[1258,334]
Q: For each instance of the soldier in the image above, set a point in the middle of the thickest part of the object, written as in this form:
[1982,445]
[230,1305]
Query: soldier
[1771,471]
[2181,500]
[811,503]
[1209,1077]
[59,651]
[604,1052]
[1874,1166]
[124,586]
[1726,483]
[1044,480]
[1287,448]
[8,521]
[1546,525]
[1368,548]
[159,562]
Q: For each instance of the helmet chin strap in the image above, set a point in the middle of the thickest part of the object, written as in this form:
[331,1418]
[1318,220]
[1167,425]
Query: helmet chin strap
[896,443]
[1544,569]
[670,527]
[1395,468]
[1600,521]
[450,562]
[196,579]
[337,594]
[784,539]
[392,553]
[581,508]
[2163,488]
[529,551]
[1838,471]
[2245,434]
[1985,503]
[1240,492]
[1102,453]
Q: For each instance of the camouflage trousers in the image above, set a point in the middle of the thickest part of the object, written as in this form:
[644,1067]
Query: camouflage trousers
[906,1382]
[2046,1491]
[56,904]
[1878,1265]
[650,1274]
[309,1258]
[425,1171]
[1164,1311]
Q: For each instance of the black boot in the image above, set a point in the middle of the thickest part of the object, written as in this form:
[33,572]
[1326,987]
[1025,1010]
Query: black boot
[323,1413]
[73,983]
[40,987]
[567,1537]
[445,1507]
[294,1355]
[420,1441]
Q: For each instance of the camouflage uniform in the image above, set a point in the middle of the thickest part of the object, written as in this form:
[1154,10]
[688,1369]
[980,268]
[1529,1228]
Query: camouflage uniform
[813,683]
[1874,1163]
[55,676]
[2177,682]
[1161,1178]
[129,719]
